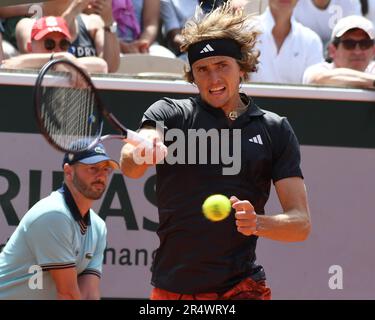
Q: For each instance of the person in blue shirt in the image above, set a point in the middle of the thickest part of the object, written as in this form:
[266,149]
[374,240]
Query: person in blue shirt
[56,252]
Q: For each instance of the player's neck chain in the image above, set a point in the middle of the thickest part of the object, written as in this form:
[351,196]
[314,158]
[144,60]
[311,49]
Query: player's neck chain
[234,114]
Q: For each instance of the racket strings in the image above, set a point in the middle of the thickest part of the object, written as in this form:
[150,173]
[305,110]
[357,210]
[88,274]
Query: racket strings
[69,112]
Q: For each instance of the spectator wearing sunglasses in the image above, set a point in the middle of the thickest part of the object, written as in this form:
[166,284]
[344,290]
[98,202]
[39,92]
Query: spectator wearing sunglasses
[49,34]
[352,52]
[93,34]
[51,38]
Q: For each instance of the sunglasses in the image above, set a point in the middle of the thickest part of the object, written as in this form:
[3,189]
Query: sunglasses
[350,44]
[50,44]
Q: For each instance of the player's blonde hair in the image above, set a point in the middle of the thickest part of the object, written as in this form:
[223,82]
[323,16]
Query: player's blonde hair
[223,22]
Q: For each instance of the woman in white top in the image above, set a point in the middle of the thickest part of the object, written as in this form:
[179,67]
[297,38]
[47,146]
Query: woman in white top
[368,9]
[286,47]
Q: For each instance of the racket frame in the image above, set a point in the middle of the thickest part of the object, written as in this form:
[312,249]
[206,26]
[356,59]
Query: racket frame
[37,98]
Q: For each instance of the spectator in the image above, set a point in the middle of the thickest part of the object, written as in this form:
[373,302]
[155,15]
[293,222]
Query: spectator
[352,51]
[139,26]
[93,34]
[10,15]
[283,43]
[322,15]
[50,35]
[174,14]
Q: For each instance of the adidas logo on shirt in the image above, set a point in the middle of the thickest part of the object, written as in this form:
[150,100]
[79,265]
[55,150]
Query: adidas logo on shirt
[207,48]
[257,139]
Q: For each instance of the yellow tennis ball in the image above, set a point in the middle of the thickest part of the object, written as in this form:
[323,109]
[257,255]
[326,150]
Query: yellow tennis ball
[216,207]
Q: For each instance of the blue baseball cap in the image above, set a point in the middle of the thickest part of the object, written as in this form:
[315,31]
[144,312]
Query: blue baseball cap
[92,156]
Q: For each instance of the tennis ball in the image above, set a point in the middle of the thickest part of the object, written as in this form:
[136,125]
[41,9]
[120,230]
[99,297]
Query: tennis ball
[216,207]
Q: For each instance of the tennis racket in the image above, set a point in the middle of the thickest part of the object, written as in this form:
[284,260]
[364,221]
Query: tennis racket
[69,111]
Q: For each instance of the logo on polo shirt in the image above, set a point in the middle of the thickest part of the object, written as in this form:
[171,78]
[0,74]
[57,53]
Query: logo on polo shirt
[207,48]
[99,149]
[89,256]
[257,139]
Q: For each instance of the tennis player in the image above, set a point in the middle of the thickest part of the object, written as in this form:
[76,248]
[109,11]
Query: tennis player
[56,252]
[197,258]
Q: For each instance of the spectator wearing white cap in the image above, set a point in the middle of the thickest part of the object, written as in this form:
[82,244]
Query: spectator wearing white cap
[352,52]
[286,47]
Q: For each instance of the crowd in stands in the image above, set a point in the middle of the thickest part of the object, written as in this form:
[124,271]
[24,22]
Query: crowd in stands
[318,42]
[285,43]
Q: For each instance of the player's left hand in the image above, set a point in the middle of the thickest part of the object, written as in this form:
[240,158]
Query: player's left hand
[246,218]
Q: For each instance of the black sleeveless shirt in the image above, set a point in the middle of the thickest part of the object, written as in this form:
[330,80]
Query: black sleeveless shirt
[83,45]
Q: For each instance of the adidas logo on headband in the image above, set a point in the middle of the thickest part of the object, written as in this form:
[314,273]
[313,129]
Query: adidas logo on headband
[223,47]
[207,48]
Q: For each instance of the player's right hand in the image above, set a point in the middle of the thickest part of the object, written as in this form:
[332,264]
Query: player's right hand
[150,154]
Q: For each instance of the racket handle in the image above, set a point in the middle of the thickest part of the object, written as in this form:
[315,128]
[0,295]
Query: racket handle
[135,139]
[131,136]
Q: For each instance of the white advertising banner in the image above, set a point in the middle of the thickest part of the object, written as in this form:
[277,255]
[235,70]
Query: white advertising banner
[336,262]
